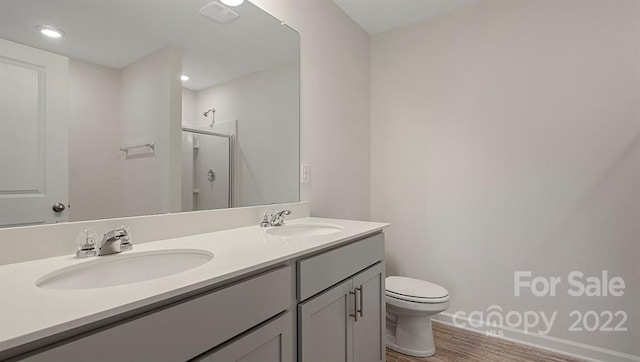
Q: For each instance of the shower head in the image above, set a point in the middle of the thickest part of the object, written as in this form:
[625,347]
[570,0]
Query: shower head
[213,115]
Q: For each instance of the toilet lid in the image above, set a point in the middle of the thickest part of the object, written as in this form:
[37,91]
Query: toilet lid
[414,288]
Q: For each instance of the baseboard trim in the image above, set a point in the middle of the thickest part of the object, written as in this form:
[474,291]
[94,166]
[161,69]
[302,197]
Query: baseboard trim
[553,344]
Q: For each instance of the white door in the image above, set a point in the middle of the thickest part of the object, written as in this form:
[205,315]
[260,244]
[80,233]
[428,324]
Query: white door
[33,135]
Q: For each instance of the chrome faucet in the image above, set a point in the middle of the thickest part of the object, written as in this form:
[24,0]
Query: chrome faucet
[115,241]
[276,219]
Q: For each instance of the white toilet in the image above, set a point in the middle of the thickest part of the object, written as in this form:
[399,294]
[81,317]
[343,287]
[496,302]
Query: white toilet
[410,305]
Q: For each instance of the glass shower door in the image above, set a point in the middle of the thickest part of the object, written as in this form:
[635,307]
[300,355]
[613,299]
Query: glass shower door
[206,171]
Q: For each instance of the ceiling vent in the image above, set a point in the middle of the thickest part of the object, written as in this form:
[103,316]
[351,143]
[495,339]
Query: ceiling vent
[218,13]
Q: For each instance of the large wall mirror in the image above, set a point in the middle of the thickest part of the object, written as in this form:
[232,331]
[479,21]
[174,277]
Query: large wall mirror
[136,107]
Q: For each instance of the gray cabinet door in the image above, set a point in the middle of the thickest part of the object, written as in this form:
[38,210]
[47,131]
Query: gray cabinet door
[326,326]
[369,329]
[269,343]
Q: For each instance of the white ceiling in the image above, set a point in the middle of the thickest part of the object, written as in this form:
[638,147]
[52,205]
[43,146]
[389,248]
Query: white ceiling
[376,16]
[116,33]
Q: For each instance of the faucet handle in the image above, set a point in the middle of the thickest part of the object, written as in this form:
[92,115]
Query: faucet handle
[277,219]
[121,232]
[265,220]
[274,218]
[86,242]
[125,240]
[124,231]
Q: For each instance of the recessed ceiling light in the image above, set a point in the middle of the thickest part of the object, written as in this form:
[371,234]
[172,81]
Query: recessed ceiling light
[184,78]
[50,31]
[232,2]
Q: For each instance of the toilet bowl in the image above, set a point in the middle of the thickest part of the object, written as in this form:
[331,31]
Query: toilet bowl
[410,305]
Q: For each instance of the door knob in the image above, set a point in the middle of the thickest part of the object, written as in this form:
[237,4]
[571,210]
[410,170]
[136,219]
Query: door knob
[58,207]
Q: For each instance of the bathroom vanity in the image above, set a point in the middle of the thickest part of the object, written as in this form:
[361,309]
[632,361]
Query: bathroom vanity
[200,286]
[311,290]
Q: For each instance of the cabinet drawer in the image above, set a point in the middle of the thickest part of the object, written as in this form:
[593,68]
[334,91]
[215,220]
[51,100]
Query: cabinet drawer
[271,342]
[186,330]
[319,272]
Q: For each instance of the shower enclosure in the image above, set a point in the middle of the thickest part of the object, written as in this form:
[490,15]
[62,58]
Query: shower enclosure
[207,170]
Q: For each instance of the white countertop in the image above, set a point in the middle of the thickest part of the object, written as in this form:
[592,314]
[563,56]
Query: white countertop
[29,313]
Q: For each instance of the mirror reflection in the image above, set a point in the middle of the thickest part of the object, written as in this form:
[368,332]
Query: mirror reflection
[122,108]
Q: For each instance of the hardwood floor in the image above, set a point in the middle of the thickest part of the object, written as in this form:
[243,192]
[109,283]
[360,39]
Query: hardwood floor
[457,345]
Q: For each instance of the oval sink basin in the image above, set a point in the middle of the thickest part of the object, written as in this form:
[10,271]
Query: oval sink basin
[126,268]
[304,230]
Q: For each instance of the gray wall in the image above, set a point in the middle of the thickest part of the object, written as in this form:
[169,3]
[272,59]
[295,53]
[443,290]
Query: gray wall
[505,137]
[94,155]
[335,101]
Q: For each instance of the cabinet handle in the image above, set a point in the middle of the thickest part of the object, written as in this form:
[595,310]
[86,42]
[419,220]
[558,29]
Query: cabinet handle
[355,305]
[360,291]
